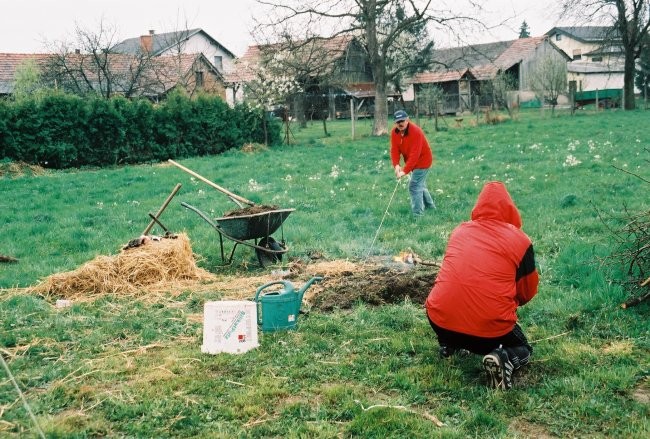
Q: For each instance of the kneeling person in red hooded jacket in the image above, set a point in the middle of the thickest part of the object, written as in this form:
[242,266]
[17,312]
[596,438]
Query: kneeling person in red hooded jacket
[488,271]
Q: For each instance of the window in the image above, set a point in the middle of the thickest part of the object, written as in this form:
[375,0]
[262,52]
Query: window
[597,59]
[577,54]
[558,37]
[218,63]
[198,76]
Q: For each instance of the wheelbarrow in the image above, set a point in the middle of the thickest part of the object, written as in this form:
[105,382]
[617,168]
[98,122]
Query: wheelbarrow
[256,227]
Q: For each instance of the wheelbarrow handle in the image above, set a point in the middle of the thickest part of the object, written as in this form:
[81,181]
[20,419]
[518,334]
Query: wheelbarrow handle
[234,197]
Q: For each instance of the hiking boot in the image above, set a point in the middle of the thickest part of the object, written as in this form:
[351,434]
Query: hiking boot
[499,369]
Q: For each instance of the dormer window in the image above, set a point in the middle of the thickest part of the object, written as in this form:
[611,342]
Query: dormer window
[558,37]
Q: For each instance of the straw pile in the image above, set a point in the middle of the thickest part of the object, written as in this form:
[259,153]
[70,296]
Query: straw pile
[154,266]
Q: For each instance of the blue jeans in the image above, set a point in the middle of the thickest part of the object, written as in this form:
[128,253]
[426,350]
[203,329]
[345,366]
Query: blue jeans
[420,196]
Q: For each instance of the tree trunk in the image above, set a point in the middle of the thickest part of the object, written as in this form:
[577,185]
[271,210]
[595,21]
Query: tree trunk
[628,81]
[380,125]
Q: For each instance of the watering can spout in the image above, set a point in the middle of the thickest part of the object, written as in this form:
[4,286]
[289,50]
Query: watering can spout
[301,292]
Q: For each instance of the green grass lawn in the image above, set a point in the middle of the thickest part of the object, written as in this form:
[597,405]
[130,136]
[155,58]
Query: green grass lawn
[118,367]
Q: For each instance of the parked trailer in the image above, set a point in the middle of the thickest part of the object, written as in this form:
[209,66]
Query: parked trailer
[606,98]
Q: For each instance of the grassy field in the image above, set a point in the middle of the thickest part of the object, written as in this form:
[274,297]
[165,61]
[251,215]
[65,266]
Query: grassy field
[120,367]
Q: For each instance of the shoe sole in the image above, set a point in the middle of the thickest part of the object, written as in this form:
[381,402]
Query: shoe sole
[492,365]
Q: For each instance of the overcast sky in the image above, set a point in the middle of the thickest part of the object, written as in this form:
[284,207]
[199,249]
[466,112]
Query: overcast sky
[25,25]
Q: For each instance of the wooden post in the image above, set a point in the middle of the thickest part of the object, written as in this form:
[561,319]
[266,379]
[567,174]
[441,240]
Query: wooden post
[352,116]
[597,107]
[623,98]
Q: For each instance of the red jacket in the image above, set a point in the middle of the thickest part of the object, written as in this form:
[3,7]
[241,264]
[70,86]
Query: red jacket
[413,146]
[488,270]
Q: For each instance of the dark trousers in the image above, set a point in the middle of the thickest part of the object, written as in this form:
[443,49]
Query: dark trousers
[514,342]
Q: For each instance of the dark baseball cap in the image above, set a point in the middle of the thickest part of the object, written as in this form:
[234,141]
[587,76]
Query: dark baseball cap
[400,115]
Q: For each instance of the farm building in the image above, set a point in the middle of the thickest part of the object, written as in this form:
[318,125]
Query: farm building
[596,57]
[464,73]
[331,73]
[114,74]
[187,41]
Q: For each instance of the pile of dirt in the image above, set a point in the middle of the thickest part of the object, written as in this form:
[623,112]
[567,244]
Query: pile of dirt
[373,285]
[154,266]
[251,210]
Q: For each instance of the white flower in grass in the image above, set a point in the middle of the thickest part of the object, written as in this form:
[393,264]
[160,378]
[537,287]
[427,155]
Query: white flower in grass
[571,161]
[201,192]
[638,140]
[534,146]
[476,177]
[100,204]
[335,171]
[532,177]
[253,186]
[439,191]
[287,178]
[332,192]
[597,157]
[314,177]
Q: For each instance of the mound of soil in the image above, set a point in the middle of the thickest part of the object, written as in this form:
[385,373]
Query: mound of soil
[252,210]
[374,286]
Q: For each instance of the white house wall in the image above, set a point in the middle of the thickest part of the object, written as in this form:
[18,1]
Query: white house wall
[199,43]
[596,81]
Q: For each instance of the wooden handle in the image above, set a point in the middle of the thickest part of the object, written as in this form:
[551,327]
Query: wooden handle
[214,185]
[163,207]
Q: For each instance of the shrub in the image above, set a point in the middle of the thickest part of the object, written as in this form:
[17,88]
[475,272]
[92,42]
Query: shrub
[59,130]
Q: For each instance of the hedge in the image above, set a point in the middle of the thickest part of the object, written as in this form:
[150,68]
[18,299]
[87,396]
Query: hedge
[61,131]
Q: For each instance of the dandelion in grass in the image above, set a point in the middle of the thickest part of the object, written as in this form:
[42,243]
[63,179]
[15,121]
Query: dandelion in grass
[571,161]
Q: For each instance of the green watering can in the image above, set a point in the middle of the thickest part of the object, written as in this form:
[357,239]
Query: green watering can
[278,310]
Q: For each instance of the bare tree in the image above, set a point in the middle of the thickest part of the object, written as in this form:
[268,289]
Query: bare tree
[500,88]
[382,25]
[87,65]
[548,80]
[630,20]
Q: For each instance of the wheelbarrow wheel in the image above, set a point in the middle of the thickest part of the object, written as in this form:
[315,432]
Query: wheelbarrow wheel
[267,258]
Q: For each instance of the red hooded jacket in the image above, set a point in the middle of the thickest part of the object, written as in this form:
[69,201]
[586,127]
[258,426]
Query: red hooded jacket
[488,270]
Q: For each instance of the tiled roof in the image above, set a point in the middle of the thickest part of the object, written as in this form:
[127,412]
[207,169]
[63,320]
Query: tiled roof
[244,68]
[165,73]
[586,34]
[481,61]
[162,42]
[9,62]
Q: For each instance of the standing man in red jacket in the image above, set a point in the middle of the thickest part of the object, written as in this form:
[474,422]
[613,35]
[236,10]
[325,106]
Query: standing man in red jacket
[488,271]
[407,140]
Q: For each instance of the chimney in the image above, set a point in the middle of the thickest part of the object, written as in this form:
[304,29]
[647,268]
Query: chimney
[77,51]
[146,42]
[151,31]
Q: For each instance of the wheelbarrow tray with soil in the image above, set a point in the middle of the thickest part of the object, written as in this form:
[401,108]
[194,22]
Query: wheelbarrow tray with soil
[257,227]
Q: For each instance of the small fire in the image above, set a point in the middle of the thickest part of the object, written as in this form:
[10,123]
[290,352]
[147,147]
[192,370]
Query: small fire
[407,257]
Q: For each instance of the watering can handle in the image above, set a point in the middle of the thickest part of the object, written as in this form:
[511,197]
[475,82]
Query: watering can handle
[286,284]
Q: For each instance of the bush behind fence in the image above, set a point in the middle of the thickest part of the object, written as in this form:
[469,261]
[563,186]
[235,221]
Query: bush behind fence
[62,131]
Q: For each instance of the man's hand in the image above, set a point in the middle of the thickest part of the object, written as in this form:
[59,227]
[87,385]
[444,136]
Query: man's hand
[398,172]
